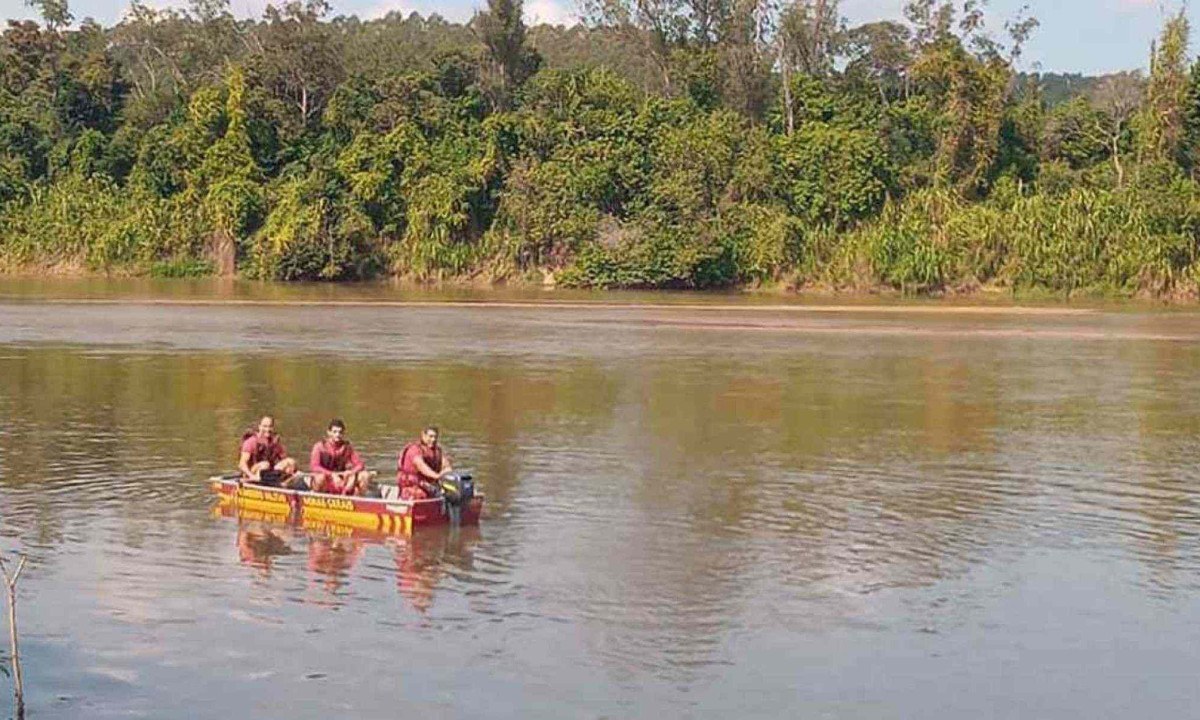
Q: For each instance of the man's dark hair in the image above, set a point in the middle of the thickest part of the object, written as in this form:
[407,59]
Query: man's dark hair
[432,429]
[337,423]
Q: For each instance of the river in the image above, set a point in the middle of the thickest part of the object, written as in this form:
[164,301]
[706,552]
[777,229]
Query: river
[697,506]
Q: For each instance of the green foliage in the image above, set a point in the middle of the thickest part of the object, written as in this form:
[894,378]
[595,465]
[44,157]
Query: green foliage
[762,241]
[688,154]
[693,164]
[314,233]
[654,255]
[1123,241]
[550,209]
[1160,123]
[512,62]
[906,247]
[438,236]
[181,268]
[821,100]
[92,221]
[698,72]
[1077,133]
[834,175]
[13,185]
[745,243]
[228,177]
[159,168]
[1189,152]
[373,168]
[968,95]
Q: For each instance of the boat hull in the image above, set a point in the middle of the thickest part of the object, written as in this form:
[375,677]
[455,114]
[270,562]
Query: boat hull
[375,515]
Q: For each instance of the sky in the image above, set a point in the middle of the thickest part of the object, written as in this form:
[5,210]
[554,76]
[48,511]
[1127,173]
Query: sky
[1088,36]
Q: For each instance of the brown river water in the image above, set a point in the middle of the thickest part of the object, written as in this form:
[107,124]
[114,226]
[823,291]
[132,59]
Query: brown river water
[697,506]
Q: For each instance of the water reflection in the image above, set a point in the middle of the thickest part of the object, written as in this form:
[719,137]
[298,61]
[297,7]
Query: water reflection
[422,559]
[259,544]
[425,557]
[676,516]
[911,458]
[330,560]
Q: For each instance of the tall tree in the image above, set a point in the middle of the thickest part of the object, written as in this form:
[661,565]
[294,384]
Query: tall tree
[969,90]
[663,26]
[1160,123]
[746,58]
[931,20]
[298,57]
[813,31]
[1117,96]
[1190,153]
[808,36]
[55,13]
[510,60]
[880,54]
[1020,29]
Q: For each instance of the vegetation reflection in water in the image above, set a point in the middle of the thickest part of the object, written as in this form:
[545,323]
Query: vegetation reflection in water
[791,433]
[669,523]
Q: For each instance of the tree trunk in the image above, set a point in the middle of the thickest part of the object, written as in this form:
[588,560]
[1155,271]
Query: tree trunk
[14,649]
[222,249]
[18,685]
[818,58]
[789,111]
[1116,155]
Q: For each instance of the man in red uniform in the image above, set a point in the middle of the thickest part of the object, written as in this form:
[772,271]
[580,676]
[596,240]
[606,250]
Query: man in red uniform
[335,464]
[420,466]
[263,459]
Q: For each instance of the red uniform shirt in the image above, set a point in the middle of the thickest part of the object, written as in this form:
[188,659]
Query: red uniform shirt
[327,458]
[406,466]
[261,450]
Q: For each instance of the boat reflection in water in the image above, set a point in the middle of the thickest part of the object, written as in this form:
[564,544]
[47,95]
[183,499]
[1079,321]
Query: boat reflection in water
[425,557]
[421,558]
[258,546]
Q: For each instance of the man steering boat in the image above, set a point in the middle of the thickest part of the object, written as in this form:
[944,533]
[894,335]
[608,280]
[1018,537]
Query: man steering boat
[421,465]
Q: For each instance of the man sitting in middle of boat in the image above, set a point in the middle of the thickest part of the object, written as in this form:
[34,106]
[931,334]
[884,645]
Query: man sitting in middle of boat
[335,465]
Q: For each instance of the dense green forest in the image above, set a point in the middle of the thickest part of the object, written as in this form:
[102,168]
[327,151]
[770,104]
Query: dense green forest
[662,143]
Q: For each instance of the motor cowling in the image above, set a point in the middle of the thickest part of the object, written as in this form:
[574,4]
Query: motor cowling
[457,488]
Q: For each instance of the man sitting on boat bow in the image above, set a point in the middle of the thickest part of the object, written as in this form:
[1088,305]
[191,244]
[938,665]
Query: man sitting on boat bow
[335,465]
[421,464]
[263,459]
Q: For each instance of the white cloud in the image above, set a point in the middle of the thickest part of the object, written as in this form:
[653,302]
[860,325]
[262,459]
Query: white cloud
[248,8]
[380,9]
[554,12]
[550,12]
[861,11]
[240,8]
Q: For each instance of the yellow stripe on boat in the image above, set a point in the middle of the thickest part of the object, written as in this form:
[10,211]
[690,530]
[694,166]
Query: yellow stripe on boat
[376,515]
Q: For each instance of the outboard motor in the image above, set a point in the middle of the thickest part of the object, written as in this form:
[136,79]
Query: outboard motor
[457,489]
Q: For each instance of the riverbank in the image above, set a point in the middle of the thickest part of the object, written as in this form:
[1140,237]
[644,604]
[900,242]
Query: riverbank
[99,290]
[76,281]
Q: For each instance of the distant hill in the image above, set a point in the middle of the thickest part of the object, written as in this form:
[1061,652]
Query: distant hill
[1058,88]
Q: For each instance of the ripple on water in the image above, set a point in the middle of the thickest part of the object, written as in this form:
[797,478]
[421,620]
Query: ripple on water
[676,516]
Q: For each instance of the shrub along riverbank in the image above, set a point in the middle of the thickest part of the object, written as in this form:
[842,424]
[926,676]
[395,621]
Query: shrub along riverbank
[807,154]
